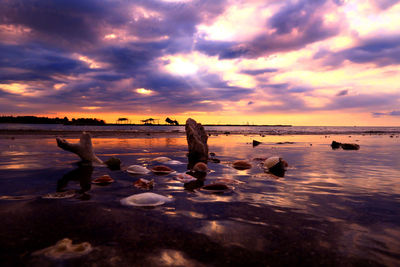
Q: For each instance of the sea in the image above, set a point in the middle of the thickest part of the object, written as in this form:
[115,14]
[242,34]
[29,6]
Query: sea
[245,129]
[333,207]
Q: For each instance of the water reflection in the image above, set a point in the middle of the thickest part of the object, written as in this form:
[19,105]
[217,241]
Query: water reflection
[343,202]
[82,174]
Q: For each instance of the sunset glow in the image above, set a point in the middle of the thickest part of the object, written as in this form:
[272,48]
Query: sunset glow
[301,62]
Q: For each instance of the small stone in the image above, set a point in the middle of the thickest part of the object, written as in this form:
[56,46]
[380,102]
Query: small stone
[335,145]
[113,163]
[256,143]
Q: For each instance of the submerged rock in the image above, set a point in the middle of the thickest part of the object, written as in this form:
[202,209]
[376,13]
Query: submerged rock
[350,146]
[64,249]
[145,200]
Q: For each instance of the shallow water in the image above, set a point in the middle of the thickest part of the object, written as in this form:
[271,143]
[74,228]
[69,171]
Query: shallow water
[333,207]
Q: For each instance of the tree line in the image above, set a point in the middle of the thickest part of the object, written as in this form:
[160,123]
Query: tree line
[46,120]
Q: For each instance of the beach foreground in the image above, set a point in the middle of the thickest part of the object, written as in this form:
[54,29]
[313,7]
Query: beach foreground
[332,208]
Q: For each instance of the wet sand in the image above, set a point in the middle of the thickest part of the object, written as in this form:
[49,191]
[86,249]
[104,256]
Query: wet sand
[332,208]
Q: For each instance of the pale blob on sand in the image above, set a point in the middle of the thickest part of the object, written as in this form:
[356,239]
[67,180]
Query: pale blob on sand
[185,178]
[145,200]
[60,195]
[161,159]
[137,169]
[64,249]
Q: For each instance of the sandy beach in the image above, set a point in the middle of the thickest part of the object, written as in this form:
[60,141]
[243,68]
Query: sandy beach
[333,207]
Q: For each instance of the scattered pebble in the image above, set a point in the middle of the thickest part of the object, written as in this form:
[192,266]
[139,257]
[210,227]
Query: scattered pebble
[103,180]
[144,184]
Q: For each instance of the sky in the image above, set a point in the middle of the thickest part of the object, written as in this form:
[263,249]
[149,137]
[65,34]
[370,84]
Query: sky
[319,62]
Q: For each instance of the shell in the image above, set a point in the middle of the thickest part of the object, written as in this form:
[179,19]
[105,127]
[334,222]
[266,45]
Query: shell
[137,169]
[145,200]
[200,167]
[174,162]
[144,184]
[185,178]
[241,165]
[64,249]
[59,195]
[161,169]
[22,197]
[229,181]
[162,159]
[271,162]
[103,180]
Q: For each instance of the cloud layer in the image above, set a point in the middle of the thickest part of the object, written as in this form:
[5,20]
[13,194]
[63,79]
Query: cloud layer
[190,57]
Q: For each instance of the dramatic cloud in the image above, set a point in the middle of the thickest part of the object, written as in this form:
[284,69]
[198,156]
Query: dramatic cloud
[233,59]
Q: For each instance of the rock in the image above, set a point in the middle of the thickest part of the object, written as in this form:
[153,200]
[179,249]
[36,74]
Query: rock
[197,142]
[350,146]
[256,143]
[113,163]
[200,167]
[335,145]
[345,146]
[84,149]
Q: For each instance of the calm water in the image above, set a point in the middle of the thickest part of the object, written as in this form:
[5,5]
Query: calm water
[214,129]
[332,208]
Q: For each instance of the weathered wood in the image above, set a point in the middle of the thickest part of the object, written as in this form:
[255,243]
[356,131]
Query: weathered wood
[197,142]
[84,149]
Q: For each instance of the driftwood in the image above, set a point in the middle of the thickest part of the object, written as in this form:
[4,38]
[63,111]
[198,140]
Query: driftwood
[197,142]
[84,149]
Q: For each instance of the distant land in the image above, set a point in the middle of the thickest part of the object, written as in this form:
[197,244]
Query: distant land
[46,120]
[99,122]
